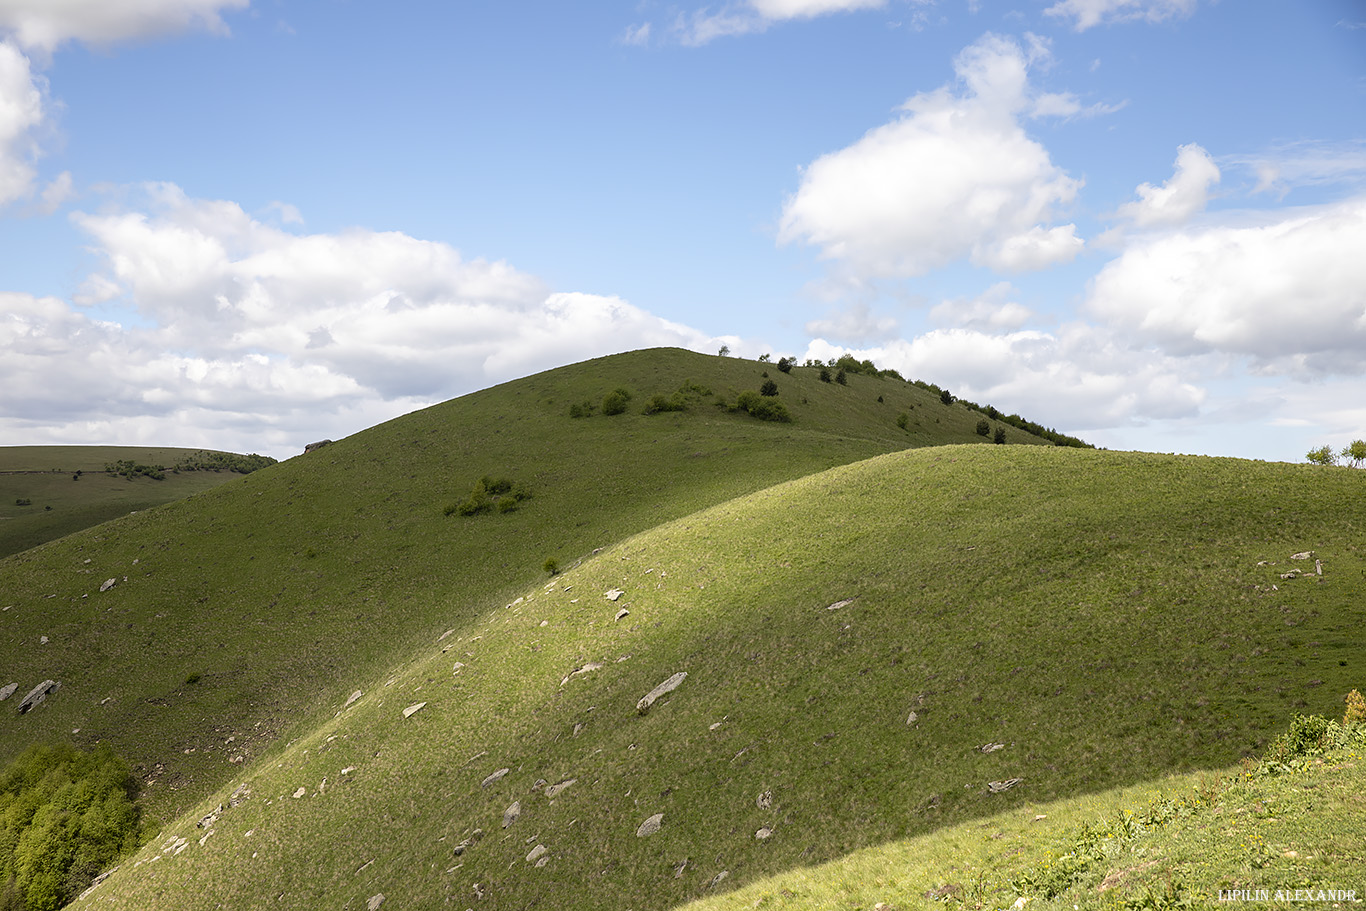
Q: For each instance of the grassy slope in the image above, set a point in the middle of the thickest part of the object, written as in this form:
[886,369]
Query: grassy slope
[283,587]
[1103,615]
[60,506]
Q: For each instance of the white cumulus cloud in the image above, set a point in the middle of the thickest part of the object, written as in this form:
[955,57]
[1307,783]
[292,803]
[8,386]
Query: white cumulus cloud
[45,24]
[1181,197]
[954,176]
[992,310]
[1089,13]
[21,113]
[1287,290]
[706,25]
[1077,378]
[313,334]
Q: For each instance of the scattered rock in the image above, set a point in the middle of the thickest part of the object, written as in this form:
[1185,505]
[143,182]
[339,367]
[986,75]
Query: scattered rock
[1294,573]
[1302,555]
[108,584]
[588,668]
[300,793]
[239,796]
[668,686]
[578,727]
[412,710]
[210,819]
[539,785]
[680,867]
[556,789]
[496,776]
[912,719]
[990,747]
[838,604]
[996,787]
[43,640]
[765,800]
[614,594]
[352,698]
[536,853]
[37,695]
[511,813]
[1318,567]
[373,902]
[763,833]
[312,447]
[650,826]
[716,880]
[8,691]
[622,613]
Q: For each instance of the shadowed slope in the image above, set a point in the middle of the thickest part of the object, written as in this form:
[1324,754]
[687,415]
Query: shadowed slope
[1103,617]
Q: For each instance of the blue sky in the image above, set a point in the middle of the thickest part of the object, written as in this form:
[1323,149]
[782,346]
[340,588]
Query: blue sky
[248,224]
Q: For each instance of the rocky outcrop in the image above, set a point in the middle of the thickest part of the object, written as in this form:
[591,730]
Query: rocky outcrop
[314,447]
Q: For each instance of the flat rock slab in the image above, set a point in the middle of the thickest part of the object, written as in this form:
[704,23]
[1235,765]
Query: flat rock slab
[650,826]
[996,787]
[555,789]
[37,695]
[496,776]
[412,710]
[511,813]
[8,691]
[838,604]
[614,594]
[668,686]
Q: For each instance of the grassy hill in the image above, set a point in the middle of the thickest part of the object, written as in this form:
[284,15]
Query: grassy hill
[50,491]
[273,590]
[861,626]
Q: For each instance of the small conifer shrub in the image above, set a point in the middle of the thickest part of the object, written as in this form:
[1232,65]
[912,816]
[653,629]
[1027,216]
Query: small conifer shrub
[903,420]
[983,427]
[768,388]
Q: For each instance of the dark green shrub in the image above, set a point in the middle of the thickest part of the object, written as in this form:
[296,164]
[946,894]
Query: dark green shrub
[765,409]
[903,420]
[192,679]
[507,504]
[64,817]
[983,427]
[1000,436]
[825,374]
[661,402]
[581,409]
[552,566]
[879,400]
[946,397]
[768,388]
[785,364]
[615,402]
[489,493]
[23,501]
[841,378]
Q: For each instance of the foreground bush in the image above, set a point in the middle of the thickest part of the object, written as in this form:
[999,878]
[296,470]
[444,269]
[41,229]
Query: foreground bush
[64,817]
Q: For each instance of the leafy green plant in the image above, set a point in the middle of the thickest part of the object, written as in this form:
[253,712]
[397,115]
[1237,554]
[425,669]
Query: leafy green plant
[765,409]
[64,816]
[551,566]
[661,402]
[615,402]
[1356,708]
[983,427]
[1000,435]
[768,388]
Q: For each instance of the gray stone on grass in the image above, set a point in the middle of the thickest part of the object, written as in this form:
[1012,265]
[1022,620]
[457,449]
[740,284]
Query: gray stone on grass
[556,789]
[496,776]
[352,698]
[413,709]
[996,787]
[990,747]
[373,902]
[614,594]
[108,584]
[765,800]
[650,826]
[668,686]
[37,695]
[536,853]
[8,691]
[511,813]
[765,832]
[838,604]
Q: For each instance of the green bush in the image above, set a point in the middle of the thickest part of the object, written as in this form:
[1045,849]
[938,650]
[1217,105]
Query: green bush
[581,409]
[1000,436]
[551,566]
[841,378]
[785,364]
[489,493]
[23,501]
[615,402]
[946,397]
[768,388]
[825,374]
[765,409]
[983,427]
[903,420]
[64,816]
[661,402]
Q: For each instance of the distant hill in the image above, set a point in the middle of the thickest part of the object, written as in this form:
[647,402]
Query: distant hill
[50,491]
[856,622]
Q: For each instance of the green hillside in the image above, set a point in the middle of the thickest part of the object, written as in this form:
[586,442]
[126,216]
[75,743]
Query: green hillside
[276,589]
[856,644]
[50,491]
[880,643]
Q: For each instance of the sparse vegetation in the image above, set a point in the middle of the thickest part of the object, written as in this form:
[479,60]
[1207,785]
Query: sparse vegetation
[489,494]
[616,401]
